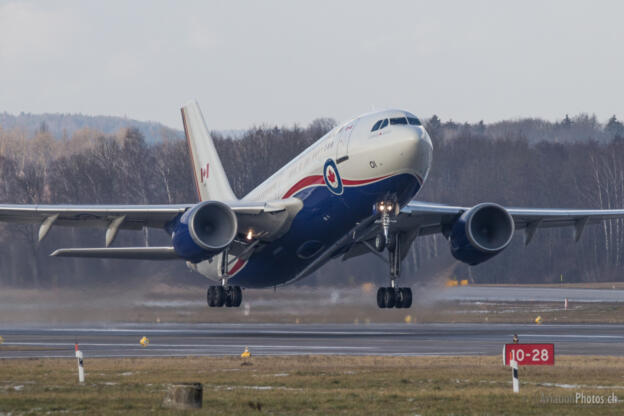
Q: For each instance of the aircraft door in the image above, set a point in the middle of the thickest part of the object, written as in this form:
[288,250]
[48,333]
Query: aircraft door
[342,140]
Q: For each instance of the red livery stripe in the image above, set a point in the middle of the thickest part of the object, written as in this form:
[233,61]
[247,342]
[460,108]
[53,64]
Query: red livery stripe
[349,182]
[310,180]
[318,180]
[237,266]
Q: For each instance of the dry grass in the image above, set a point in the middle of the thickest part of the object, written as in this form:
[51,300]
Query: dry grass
[311,385]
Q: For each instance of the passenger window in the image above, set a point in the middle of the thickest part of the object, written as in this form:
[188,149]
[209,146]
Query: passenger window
[414,121]
[383,124]
[398,120]
[376,126]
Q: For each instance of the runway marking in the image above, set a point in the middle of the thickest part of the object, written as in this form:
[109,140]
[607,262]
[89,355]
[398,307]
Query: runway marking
[222,354]
[571,336]
[154,345]
[212,331]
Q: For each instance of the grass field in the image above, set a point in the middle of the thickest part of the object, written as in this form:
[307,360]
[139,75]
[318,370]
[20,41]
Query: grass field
[305,385]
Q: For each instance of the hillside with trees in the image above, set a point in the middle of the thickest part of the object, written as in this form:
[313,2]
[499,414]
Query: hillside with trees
[575,162]
[64,126]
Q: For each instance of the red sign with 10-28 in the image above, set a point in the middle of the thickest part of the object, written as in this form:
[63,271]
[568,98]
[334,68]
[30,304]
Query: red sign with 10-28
[529,354]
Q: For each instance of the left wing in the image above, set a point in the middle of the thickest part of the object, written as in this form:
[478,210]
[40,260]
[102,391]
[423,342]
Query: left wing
[424,218]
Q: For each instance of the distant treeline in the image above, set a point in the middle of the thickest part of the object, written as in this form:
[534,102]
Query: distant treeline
[573,163]
[63,126]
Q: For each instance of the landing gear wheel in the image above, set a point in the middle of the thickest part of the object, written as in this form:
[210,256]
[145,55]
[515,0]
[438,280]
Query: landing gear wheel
[210,296]
[237,296]
[406,295]
[389,297]
[228,297]
[233,296]
[391,243]
[381,295]
[399,297]
[380,242]
[219,296]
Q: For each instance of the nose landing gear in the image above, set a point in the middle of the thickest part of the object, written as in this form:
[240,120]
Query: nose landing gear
[393,296]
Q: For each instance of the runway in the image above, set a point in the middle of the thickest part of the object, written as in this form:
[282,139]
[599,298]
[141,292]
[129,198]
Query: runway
[175,340]
[528,294]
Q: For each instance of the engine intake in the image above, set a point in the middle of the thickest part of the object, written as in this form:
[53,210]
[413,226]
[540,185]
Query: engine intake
[204,230]
[481,233]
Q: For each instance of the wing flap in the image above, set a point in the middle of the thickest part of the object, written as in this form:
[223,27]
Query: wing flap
[129,253]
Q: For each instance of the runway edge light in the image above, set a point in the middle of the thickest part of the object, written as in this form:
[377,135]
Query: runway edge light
[246,353]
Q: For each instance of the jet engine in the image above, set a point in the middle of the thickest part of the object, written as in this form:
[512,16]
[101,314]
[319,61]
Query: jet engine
[481,233]
[204,230]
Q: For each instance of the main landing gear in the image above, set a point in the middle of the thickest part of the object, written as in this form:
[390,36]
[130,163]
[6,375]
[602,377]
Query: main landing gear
[394,297]
[391,297]
[229,296]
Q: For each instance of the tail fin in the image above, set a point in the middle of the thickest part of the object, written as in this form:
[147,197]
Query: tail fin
[210,179]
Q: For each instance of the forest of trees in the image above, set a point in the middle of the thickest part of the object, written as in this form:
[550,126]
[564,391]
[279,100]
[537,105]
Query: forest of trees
[576,162]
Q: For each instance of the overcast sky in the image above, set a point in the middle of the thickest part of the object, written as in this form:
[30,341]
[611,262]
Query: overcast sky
[292,61]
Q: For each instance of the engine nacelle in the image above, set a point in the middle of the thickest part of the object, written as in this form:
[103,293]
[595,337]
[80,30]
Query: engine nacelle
[481,233]
[204,230]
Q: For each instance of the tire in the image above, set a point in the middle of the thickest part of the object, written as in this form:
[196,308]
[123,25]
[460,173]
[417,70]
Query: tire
[407,297]
[219,297]
[210,296]
[228,297]
[399,298]
[379,243]
[391,242]
[381,297]
[237,296]
[389,297]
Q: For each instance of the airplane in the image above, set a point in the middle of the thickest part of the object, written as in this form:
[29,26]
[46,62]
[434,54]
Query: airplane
[348,194]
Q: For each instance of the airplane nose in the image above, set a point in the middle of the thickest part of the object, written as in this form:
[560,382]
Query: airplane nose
[418,136]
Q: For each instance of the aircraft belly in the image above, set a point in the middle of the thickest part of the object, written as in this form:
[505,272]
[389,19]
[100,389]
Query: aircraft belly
[324,218]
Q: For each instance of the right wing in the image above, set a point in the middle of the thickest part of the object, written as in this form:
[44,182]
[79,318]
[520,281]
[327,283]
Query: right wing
[270,220]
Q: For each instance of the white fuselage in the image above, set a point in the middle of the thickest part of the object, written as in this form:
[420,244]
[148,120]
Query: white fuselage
[365,160]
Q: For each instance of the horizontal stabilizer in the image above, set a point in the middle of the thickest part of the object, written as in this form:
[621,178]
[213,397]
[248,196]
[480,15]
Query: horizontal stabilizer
[131,253]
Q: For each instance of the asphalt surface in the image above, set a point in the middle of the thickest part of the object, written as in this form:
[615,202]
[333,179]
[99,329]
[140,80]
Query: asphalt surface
[528,294]
[169,340]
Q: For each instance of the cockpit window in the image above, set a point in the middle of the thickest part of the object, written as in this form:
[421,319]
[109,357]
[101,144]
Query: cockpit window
[398,120]
[414,121]
[376,126]
[383,124]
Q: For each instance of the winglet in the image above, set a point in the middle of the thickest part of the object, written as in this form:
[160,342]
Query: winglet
[211,182]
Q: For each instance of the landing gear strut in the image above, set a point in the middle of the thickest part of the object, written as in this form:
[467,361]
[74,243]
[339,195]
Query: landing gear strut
[229,296]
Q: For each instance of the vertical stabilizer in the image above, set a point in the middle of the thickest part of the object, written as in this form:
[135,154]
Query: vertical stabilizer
[210,180]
